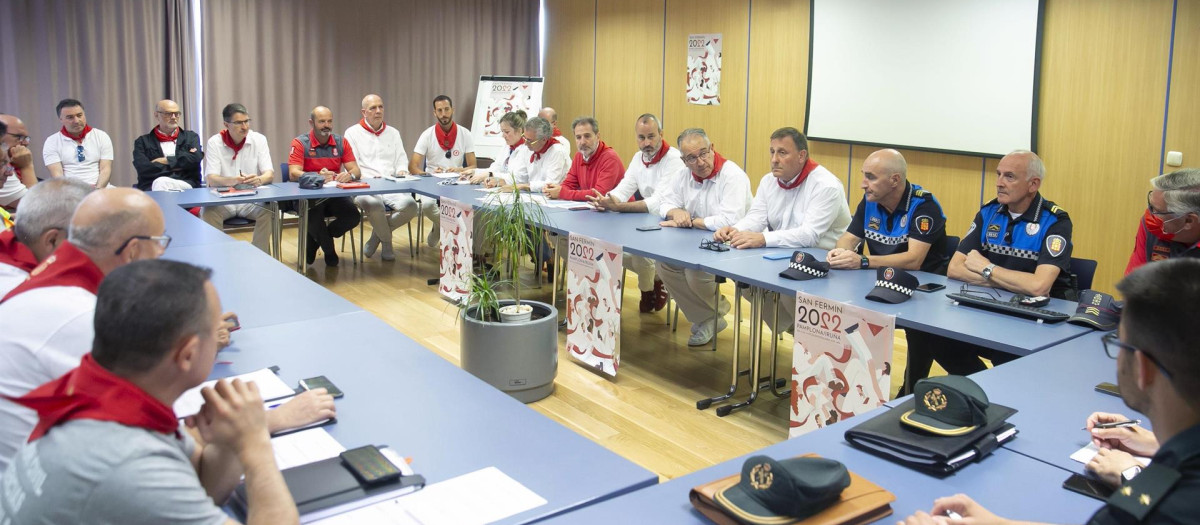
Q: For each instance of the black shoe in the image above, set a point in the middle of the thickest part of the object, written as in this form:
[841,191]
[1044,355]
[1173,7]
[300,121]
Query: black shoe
[331,258]
[311,249]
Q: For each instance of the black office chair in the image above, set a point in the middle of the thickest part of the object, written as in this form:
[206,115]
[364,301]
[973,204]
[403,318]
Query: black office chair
[1084,271]
[951,246]
[356,246]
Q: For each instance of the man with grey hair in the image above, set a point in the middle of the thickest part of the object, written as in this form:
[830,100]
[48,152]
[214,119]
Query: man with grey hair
[650,170]
[1171,224]
[40,229]
[1019,242]
[596,168]
[538,162]
[710,193]
[168,157]
[18,173]
[551,116]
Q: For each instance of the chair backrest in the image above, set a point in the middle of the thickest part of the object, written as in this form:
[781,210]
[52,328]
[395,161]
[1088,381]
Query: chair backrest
[1085,271]
[283,172]
[951,245]
[484,163]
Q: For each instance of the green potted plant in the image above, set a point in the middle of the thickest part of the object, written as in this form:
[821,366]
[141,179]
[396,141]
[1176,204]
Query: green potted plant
[511,344]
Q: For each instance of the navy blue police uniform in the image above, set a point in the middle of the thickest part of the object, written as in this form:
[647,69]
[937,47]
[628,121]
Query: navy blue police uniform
[918,216]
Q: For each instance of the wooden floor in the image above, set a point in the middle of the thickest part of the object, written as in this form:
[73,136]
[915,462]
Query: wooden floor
[647,413]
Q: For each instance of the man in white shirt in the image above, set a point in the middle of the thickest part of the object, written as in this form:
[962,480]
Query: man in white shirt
[379,150]
[18,175]
[540,161]
[649,171]
[41,228]
[551,116]
[800,205]
[78,151]
[239,157]
[710,194]
[445,146]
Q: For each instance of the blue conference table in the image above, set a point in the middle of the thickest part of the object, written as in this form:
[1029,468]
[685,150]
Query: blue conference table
[398,393]
[1007,483]
[187,230]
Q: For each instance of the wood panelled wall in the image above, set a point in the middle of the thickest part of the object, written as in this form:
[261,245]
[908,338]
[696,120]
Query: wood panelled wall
[1105,118]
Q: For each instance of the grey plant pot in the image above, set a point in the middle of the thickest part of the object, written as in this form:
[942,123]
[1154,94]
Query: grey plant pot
[520,359]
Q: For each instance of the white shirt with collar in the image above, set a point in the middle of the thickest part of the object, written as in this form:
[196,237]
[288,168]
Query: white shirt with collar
[60,148]
[377,155]
[551,167]
[254,158]
[720,200]
[813,214]
[10,277]
[649,180]
[435,156]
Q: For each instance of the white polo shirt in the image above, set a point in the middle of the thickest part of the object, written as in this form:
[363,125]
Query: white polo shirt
[814,213]
[46,332]
[63,149]
[720,200]
[10,277]
[435,156]
[12,190]
[550,167]
[377,155]
[649,180]
[254,158]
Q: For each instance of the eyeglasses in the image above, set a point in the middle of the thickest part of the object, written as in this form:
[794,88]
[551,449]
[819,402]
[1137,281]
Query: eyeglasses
[162,240]
[21,139]
[1150,207]
[79,153]
[692,159]
[983,293]
[239,122]
[1113,345]
[716,246]
[175,114]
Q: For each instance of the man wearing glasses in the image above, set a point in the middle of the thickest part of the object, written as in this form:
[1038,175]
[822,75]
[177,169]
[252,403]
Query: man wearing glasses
[1170,227]
[45,216]
[445,146]
[78,151]
[168,157]
[239,157]
[18,174]
[1158,374]
[710,194]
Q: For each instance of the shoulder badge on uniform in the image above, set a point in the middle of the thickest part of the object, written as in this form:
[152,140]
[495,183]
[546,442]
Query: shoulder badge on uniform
[1056,244]
[1057,210]
[1139,496]
[924,223]
[920,193]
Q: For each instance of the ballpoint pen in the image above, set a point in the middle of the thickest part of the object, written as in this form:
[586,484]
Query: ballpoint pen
[1117,424]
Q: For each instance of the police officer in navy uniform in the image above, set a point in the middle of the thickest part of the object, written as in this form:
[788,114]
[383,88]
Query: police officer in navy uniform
[903,225]
[1019,242]
[1171,225]
[1158,374]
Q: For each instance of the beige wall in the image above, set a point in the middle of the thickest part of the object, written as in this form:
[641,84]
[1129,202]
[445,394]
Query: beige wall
[1101,115]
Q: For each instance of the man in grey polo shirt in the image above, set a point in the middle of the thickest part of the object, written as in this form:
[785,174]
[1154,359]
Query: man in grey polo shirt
[107,447]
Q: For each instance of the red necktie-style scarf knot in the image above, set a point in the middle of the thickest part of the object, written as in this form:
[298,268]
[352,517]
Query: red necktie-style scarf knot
[229,142]
[163,137]
[80,136]
[446,139]
[809,166]
[382,127]
[718,163]
[662,152]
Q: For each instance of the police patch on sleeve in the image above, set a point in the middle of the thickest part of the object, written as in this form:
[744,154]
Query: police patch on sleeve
[970,230]
[1056,244]
[924,223]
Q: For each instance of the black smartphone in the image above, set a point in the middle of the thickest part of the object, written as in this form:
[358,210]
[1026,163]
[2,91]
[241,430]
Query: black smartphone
[648,228]
[369,465]
[930,287]
[1108,388]
[1090,487]
[321,382]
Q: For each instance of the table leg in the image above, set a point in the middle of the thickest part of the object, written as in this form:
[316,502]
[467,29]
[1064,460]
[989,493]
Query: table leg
[735,367]
[777,382]
[302,237]
[755,348]
[276,230]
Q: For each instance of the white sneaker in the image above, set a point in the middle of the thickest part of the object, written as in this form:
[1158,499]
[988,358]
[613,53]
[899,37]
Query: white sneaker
[435,236]
[388,254]
[371,246]
[703,333]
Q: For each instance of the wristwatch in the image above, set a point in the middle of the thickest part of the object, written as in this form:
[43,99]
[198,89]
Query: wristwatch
[1128,474]
[987,272]
[865,262]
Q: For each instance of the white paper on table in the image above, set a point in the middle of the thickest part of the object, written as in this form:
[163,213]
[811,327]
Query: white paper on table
[483,496]
[301,448]
[1085,454]
[269,387]
[445,174]
[400,178]
[488,190]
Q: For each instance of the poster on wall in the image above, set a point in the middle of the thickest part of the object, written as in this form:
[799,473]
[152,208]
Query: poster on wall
[841,362]
[704,69]
[457,225]
[594,271]
[495,97]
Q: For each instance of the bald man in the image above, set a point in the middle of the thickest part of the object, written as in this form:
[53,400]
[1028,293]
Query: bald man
[323,152]
[903,224]
[168,157]
[17,170]
[551,116]
[42,228]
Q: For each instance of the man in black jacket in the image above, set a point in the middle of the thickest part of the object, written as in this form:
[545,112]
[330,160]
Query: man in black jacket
[169,157]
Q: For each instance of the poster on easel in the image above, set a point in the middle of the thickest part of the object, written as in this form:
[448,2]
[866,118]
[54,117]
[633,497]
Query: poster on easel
[495,97]
[594,273]
[841,362]
[704,69]
[455,249]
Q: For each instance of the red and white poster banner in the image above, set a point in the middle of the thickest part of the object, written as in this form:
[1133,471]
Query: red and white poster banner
[704,69]
[594,272]
[457,232]
[841,362]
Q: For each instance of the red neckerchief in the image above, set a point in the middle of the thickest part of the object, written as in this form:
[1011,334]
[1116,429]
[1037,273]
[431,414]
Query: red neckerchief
[15,254]
[163,137]
[446,139]
[82,134]
[67,266]
[809,166]
[662,152]
[718,163]
[92,392]
[599,149]
[542,150]
[229,142]
[520,142]
[382,127]
[557,133]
